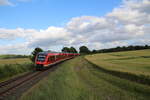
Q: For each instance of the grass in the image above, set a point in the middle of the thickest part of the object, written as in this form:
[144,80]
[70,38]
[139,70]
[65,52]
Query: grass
[134,65]
[137,62]
[14,67]
[14,61]
[10,56]
[77,79]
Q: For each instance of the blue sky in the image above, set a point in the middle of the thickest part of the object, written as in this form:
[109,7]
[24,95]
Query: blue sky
[40,14]
[53,24]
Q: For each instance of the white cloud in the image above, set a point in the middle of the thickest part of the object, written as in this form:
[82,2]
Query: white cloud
[132,11]
[15,49]
[5,2]
[50,36]
[8,3]
[126,23]
[24,0]
[11,33]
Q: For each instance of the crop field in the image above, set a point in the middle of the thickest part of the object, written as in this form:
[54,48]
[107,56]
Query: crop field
[10,56]
[132,65]
[14,61]
[11,66]
[136,62]
[77,79]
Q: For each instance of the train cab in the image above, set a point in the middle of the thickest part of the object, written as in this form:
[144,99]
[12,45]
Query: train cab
[41,60]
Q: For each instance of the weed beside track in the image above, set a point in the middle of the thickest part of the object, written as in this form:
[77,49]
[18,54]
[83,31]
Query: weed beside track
[13,88]
[10,70]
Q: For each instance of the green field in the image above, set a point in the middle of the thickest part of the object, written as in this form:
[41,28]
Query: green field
[14,61]
[77,79]
[10,56]
[131,65]
[136,62]
[11,66]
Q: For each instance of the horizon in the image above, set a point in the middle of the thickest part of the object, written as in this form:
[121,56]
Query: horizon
[52,25]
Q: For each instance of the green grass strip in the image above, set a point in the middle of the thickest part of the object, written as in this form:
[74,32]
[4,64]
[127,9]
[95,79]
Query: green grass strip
[77,79]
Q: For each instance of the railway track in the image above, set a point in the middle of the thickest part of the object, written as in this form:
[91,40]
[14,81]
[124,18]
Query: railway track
[15,85]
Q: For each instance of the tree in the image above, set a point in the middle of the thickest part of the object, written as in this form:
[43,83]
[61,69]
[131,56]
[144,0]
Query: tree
[94,51]
[84,50]
[73,50]
[147,47]
[65,49]
[34,53]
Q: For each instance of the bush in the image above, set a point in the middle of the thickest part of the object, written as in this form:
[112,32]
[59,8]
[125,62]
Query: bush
[9,70]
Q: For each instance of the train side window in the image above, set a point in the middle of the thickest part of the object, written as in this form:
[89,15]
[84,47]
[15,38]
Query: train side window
[48,59]
[57,56]
[51,58]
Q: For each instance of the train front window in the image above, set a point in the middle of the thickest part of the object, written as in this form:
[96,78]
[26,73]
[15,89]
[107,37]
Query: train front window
[41,58]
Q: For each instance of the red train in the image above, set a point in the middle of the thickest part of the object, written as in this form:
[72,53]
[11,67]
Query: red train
[46,58]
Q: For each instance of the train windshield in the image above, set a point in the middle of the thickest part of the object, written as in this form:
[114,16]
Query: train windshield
[41,58]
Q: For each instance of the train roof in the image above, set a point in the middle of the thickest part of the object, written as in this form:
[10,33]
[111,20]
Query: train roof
[47,52]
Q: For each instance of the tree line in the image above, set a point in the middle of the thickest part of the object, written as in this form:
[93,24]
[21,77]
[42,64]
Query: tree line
[69,50]
[123,48]
[86,50]
[83,50]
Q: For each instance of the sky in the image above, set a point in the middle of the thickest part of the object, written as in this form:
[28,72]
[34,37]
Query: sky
[53,24]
